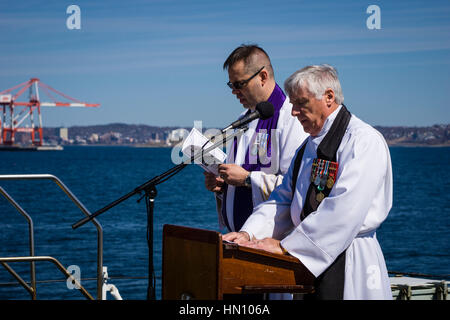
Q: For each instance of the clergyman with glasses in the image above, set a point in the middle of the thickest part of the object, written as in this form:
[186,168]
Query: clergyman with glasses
[258,159]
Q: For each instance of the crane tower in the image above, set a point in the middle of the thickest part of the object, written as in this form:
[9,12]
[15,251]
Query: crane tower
[15,112]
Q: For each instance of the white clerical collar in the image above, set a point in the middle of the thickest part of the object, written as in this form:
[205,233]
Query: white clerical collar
[329,121]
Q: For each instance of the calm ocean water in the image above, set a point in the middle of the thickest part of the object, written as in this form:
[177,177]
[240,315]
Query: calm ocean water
[414,238]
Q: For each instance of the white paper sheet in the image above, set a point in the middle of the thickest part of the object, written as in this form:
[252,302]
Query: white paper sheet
[209,161]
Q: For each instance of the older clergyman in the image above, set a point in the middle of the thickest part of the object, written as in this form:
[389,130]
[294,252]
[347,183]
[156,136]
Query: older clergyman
[336,193]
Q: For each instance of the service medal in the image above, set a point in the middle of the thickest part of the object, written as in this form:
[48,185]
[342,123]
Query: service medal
[317,180]
[323,182]
[320,196]
[330,183]
[313,171]
[323,173]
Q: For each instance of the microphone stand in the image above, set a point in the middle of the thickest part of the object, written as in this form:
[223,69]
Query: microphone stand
[150,193]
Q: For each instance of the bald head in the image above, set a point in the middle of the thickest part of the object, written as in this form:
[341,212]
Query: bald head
[253,57]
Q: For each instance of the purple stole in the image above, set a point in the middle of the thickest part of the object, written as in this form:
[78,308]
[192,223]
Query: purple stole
[243,203]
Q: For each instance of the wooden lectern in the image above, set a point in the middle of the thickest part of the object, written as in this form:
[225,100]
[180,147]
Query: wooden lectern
[198,265]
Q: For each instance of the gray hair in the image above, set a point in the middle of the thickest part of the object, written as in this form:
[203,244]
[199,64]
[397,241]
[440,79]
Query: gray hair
[316,79]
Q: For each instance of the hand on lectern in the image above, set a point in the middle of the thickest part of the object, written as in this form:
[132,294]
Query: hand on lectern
[237,237]
[266,244]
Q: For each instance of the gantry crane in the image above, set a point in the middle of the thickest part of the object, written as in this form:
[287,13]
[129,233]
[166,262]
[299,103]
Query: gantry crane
[16,112]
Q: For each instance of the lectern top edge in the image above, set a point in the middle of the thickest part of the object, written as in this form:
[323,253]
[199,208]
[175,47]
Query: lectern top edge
[190,233]
[215,237]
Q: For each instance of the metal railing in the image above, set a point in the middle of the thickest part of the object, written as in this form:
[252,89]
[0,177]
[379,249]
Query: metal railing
[31,290]
[32,258]
[58,264]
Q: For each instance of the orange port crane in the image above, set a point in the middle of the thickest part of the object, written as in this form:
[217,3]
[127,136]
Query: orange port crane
[15,112]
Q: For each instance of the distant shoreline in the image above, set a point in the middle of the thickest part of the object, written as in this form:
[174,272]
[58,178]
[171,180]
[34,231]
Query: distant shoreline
[409,145]
[416,145]
[144,136]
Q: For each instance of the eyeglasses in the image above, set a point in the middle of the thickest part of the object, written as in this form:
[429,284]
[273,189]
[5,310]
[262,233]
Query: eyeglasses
[240,84]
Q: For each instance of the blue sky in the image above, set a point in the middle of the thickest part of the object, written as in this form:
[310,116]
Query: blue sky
[160,62]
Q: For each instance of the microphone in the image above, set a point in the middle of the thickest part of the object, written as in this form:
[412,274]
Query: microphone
[263,110]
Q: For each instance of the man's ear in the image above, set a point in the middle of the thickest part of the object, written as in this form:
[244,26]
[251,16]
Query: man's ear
[329,97]
[264,76]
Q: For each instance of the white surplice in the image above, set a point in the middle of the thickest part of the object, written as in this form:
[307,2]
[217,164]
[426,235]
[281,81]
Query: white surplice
[289,135]
[358,203]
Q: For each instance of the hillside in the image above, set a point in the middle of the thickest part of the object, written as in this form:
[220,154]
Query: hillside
[120,133]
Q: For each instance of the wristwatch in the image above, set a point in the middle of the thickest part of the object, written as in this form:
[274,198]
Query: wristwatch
[248,181]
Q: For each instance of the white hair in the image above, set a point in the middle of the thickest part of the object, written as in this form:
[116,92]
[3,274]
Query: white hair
[316,79]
